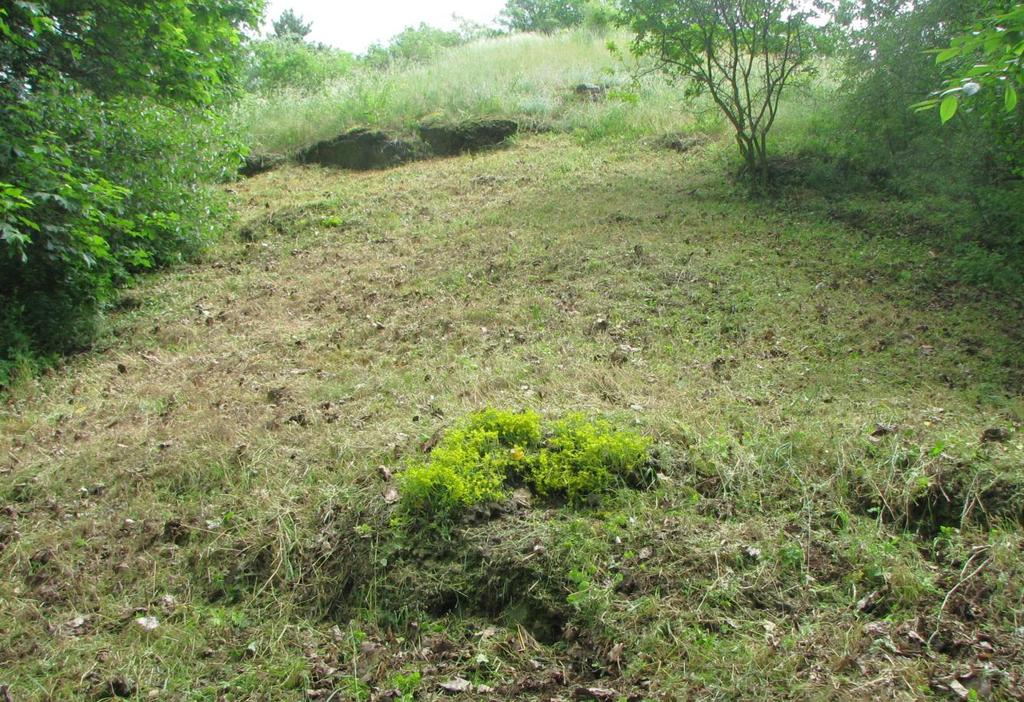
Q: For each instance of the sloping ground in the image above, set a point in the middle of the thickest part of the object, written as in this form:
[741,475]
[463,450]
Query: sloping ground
[830,522]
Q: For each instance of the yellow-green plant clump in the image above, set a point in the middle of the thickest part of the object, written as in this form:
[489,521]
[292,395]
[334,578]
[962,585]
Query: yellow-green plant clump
[494,451]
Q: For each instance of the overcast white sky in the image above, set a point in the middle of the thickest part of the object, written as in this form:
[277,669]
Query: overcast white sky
[355,24]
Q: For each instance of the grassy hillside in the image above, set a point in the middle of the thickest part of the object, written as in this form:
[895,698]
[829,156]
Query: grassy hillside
[527,77]
[829,521]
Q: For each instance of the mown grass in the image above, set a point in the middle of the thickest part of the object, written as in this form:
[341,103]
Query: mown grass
[829,522]
[526,77]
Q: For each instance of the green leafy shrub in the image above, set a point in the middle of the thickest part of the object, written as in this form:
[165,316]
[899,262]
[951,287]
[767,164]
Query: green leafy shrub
[493,450]
[280,64]
[93,193]
[599,17]
[542,15]
[414,44]
[513,429]
[109,146]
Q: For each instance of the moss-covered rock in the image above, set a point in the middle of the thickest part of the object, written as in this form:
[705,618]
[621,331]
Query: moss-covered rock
[473,135]
[361,150]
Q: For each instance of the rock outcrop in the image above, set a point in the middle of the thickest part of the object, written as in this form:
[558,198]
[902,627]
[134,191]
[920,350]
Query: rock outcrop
[465,137]
[360,150]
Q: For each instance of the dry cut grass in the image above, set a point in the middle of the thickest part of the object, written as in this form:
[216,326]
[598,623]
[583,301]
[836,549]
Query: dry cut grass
[830,523]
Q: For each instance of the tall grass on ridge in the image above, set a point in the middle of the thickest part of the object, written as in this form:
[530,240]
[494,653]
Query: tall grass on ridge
[526,77]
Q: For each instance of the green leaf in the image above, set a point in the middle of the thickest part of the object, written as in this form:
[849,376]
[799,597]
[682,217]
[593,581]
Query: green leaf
[947,55]
[948,107]
[1011,98]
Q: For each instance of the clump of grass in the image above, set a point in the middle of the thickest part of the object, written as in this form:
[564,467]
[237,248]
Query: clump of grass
[480,462]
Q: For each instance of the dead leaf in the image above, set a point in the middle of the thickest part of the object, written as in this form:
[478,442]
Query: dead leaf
[276,396]
[391,495]
[428,445]
[869,601]
[456,685]
[876,629]
[959,690]
[882,429]
[620,355]
[148,623]
[522,497]
[119,687]
[75,626]
[615,655]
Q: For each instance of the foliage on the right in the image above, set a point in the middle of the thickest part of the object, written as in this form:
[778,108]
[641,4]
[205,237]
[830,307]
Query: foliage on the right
[742,54]
[989,56]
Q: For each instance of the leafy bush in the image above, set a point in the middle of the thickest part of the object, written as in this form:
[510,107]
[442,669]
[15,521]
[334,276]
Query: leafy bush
[743,55]
[94,193]
[414,44]
[985,58]
[599,17]
[291,26]
[492,451]
[108,146]
[889,67]
[522,430]
[542,15]
[279,64]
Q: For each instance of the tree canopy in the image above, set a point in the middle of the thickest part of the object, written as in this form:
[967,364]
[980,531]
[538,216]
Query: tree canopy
[542,15]
[291,26]
[987,57]
[177,49]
